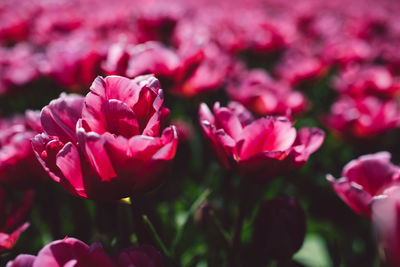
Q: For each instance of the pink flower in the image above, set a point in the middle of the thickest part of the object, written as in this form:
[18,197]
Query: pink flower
[74,61]
[110,144]
[358,81]
[18,165]
[386,218]
[147,58]
[203,69]
[343,51]
[73,252]
[364,178]
[297,66]
[257,91]
[12,218]
[66,252]
[364,117]
[261,149]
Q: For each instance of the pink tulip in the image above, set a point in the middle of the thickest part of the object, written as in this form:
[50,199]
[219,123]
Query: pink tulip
[261,149]
[66,252]
[365,117]
[257,91]
[358,81]
[386,218]
[110,144]
[12,218]
[364,178]
[18,165]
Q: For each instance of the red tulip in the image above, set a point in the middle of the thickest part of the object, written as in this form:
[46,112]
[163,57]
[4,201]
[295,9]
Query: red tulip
[147,58]
[257,91]
[364,178]
[110,144]
[74,61]
[260,149]
[358,81]
[344,51]
[203,69]
[18,165]
[12,218]
[298,66]
[63,253]
[365,117]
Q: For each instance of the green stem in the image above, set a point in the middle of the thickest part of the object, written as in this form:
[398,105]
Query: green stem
[156,236]
[180,227]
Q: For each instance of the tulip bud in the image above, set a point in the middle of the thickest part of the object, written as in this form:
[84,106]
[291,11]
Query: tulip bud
[279,228]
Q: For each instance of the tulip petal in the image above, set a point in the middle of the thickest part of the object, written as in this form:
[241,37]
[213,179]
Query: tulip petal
[68,161]
[373,171]
[22,260]
[307,142]
[60,116]
[227,120]
[266,134]
[60,253]
[45,150]
[92,145]
[352,194]
[7,241]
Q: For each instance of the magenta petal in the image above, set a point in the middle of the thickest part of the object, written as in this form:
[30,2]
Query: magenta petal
[219,141]
[92,145]
[45,150]
[19,212]
[22,260]
[60,253]
[154,124]
[101,92]
[373,171]
[60,116]
[307,142]
[227,120]
[205,114]
[7,241]
[169,138]
[352,194]
[68,161]
[120,119]
[266,134]
[96,257]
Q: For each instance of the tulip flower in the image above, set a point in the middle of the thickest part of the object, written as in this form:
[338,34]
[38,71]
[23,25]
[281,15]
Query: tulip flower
[363,179]
[110,144]
[147,58]
[261,149]
[358,81]
[385,216]
[365,117]
[18,165]
[257,91]
[66,252]
[12,216]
